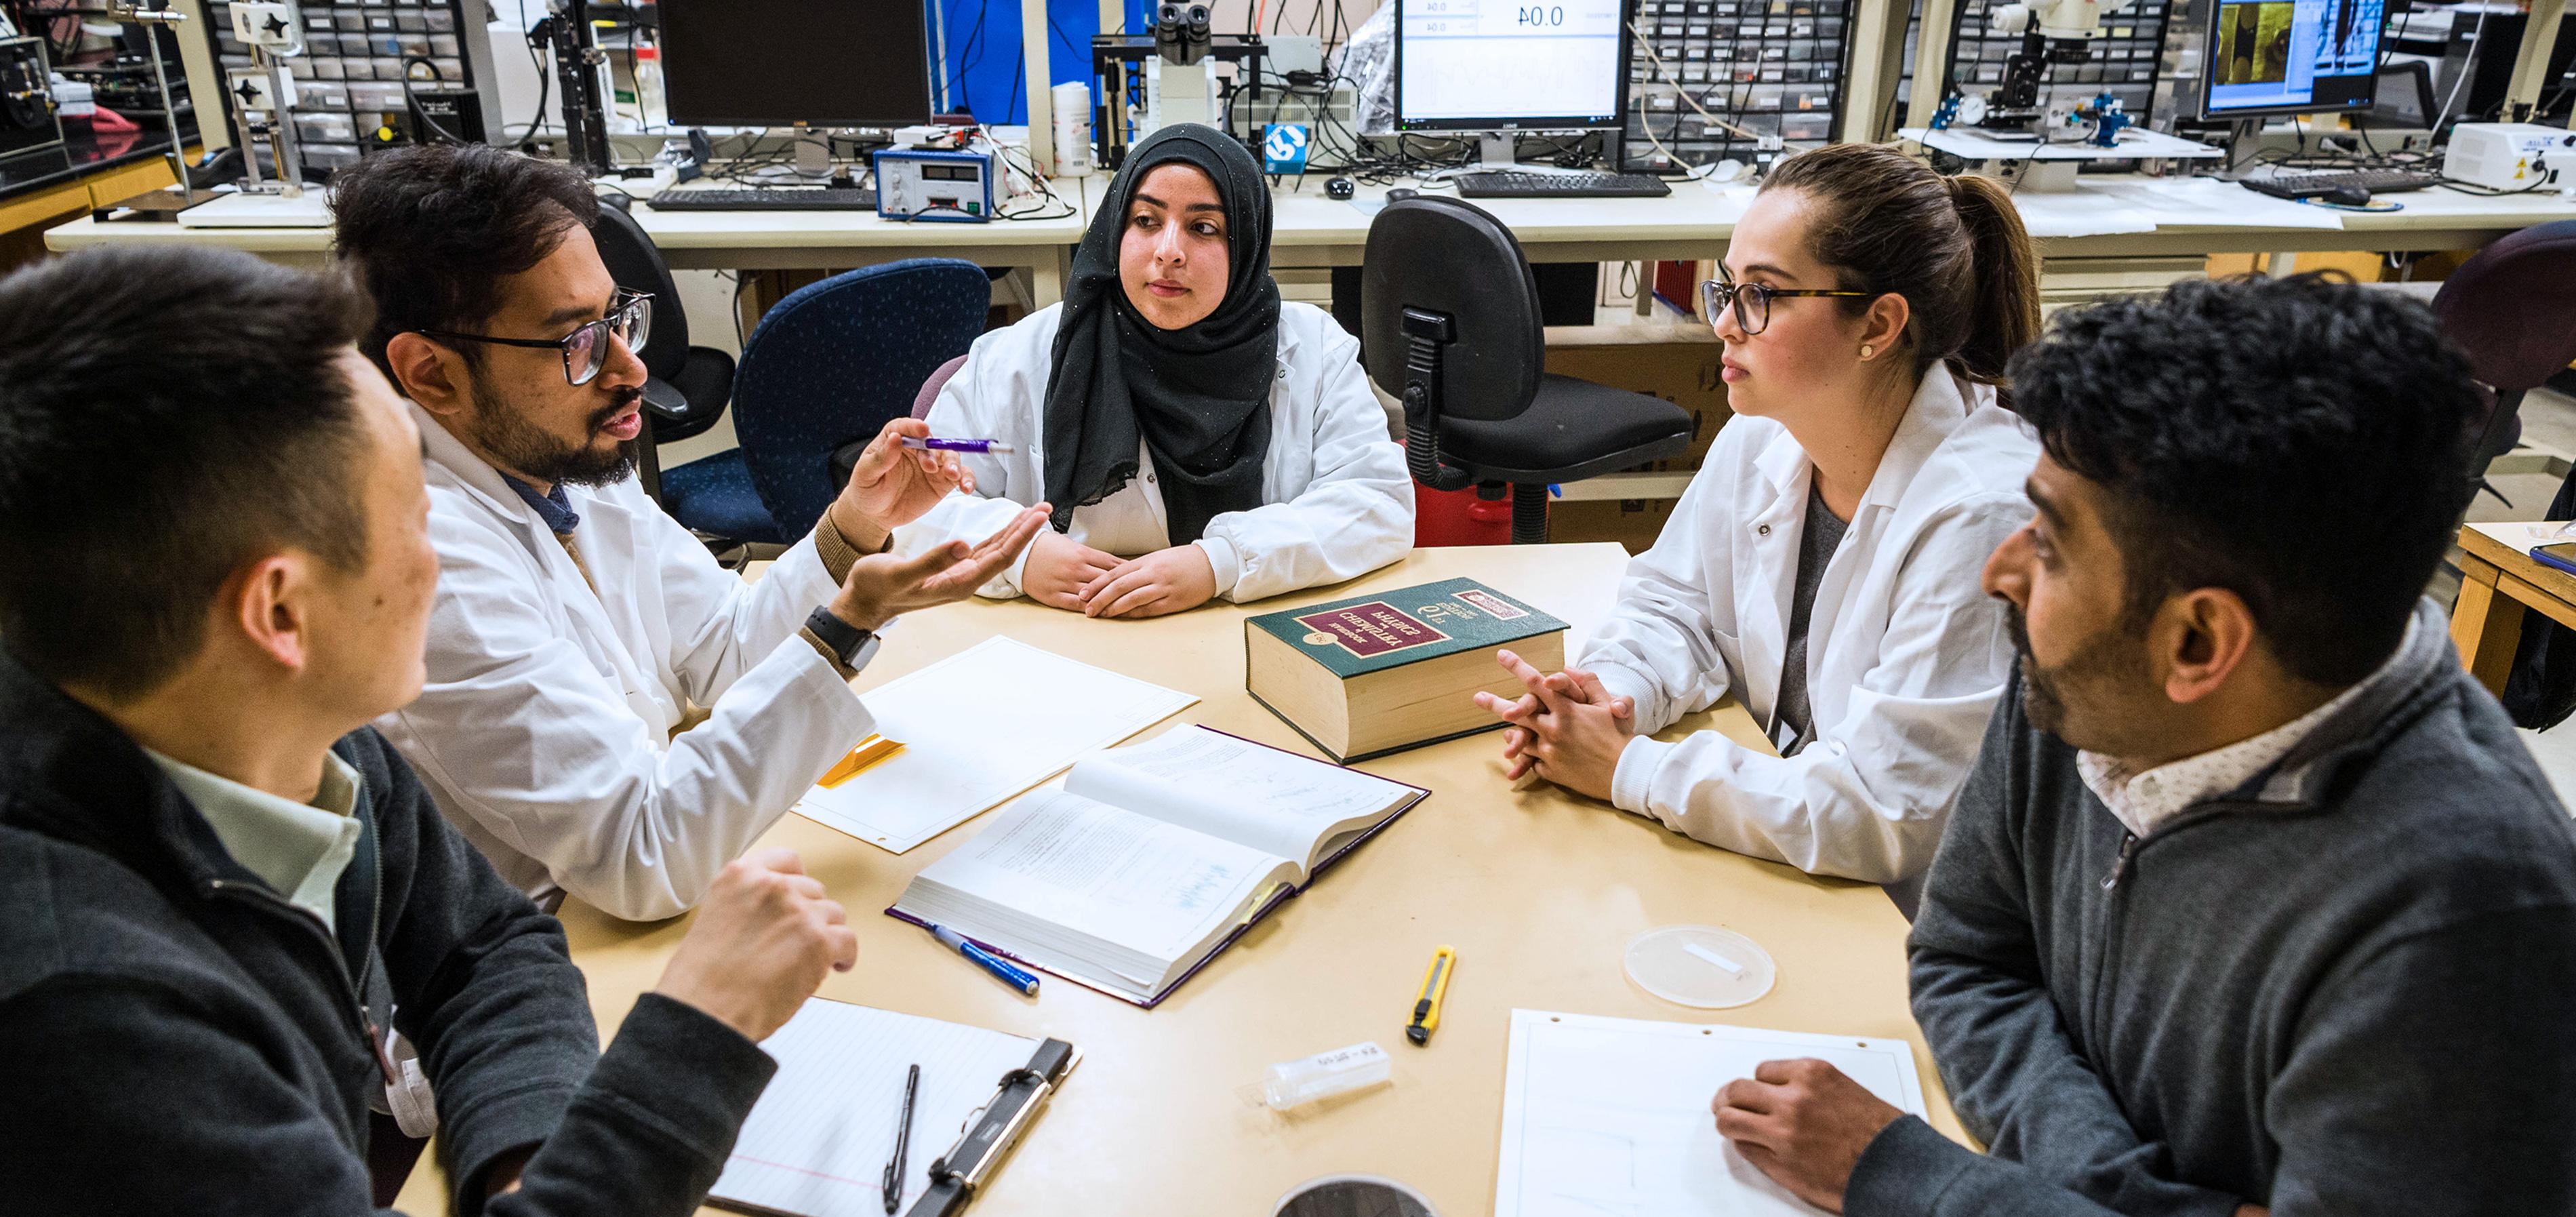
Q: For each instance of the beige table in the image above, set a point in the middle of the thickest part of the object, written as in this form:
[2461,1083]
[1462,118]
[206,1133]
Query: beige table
[1539,892]
[1695,221]
[2499,584]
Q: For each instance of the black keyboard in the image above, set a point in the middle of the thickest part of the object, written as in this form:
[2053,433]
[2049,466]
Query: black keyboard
[1508,184]
[780,198]
[2315,185]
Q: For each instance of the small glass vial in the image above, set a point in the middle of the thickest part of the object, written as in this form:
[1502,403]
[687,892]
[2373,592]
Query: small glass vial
[1325,1074]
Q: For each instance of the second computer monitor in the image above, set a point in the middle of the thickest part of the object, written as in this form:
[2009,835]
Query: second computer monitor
[774,63]
[1503,65]
[2292,56]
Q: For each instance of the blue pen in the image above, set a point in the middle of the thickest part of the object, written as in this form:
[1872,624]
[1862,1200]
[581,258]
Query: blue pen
[935,444]
[1000,968]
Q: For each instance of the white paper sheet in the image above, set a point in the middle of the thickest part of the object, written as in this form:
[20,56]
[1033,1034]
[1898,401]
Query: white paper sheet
[2079,214]
[818,1141]
[2206,202]
[1609,1116]
[977,728]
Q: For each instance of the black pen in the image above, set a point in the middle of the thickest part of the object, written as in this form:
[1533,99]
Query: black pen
[893,1185]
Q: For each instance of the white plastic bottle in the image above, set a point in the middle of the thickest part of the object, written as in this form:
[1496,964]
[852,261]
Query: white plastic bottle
[649,109]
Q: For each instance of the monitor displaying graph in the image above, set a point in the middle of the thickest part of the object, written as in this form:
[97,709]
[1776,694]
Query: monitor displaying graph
[2293,56]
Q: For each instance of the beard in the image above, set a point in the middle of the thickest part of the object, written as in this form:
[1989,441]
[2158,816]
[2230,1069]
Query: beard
[2076,701]
[521,445]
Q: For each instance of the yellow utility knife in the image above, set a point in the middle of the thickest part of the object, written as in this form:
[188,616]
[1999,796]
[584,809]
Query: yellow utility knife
[1435,986]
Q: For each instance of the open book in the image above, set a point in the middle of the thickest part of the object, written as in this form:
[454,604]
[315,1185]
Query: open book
[1152,858]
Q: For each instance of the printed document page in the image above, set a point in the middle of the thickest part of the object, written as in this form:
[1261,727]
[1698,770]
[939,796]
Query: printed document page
[1610,1115]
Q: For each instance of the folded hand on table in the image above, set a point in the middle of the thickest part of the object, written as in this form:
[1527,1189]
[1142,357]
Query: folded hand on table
[1164,581]
[1059,567]
[1567,727]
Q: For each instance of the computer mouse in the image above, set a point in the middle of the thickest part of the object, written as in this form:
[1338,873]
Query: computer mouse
[2348,196]
[618,199]
[1339,188]
[1401,192]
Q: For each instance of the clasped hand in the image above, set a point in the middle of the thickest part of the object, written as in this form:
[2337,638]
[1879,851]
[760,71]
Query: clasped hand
[1567,728]
[1067,574]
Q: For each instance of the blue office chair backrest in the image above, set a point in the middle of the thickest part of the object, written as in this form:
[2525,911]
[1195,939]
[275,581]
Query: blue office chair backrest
[835,360]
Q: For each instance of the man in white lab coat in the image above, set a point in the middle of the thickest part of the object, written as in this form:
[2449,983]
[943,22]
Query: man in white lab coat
[608,712]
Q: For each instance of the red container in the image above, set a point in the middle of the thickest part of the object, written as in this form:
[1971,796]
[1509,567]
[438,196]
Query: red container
[1458,517]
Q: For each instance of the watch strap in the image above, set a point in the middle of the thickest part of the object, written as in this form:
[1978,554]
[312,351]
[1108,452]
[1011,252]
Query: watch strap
[846,640]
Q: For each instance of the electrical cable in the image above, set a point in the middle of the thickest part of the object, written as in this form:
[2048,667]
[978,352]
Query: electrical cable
[2477,35]
[437,77]
[1675,80]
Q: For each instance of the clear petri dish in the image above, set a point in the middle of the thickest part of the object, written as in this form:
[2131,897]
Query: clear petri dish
[1701,966]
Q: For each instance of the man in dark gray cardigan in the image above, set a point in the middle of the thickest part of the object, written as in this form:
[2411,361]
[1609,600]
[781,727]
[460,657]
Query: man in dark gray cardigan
[2254,900]
[221,894]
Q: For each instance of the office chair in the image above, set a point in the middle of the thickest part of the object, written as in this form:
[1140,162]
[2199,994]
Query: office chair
[1450,325]
[685,387]
[2512,307]
[929,394]
[821,375]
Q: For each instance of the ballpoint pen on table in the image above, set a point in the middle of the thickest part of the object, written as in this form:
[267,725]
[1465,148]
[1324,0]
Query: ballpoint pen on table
[936,444]
[893,1185]
[1001,968]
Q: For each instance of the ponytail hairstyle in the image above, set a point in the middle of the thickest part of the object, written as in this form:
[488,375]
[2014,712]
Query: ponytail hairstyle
[1952,246]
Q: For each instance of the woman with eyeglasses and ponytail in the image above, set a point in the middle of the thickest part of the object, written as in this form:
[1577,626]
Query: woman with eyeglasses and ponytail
[1823,566]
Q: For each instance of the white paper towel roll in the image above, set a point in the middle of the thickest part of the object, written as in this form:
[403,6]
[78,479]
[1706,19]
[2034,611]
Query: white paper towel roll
[1072,102]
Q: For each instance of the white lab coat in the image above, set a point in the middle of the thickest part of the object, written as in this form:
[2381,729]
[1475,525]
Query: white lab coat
[1339,502]
[545,728]
[1905,653]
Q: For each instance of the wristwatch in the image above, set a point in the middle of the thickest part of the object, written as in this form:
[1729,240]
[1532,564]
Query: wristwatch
[855,646]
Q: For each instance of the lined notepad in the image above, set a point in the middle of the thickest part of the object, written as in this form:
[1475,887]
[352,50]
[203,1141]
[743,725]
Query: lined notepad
[816,1144]
[1610,1115]
[978,727]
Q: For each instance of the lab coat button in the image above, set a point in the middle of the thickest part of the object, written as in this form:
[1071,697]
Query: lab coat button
[1762,529]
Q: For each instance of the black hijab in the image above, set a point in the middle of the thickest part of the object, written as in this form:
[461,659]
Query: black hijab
[1199,397]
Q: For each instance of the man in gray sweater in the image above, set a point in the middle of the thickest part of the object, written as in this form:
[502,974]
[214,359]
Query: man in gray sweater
[2254,901]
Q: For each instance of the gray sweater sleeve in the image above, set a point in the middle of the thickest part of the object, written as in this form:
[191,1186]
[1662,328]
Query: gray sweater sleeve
[2433,1078]
[2015,1078]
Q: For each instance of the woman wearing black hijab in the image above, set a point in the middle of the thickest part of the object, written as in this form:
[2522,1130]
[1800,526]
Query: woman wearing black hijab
[1199,436]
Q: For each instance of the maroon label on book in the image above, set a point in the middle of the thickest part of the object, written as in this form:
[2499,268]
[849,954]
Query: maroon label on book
[1374,628]
[1501,609]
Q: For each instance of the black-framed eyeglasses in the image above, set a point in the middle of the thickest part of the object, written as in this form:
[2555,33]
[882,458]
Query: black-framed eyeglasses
[585,350]
[1752,301]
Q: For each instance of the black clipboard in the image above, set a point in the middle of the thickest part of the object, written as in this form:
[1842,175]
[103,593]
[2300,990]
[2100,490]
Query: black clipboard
[958,1174]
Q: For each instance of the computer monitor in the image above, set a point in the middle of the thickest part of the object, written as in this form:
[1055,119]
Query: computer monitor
[2291,57]
[774,63]
[1511,65]
[2405,100]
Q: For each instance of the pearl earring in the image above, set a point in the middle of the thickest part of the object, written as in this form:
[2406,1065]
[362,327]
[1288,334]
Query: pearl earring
[1867,351]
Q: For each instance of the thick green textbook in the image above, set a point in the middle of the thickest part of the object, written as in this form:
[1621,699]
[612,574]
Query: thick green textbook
[1380,673]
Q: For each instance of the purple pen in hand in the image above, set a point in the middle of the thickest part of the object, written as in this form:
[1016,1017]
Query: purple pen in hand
[935,444]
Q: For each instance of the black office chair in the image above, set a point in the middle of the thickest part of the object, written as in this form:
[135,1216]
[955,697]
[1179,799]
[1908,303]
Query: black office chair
[1450,324]
[685,387]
